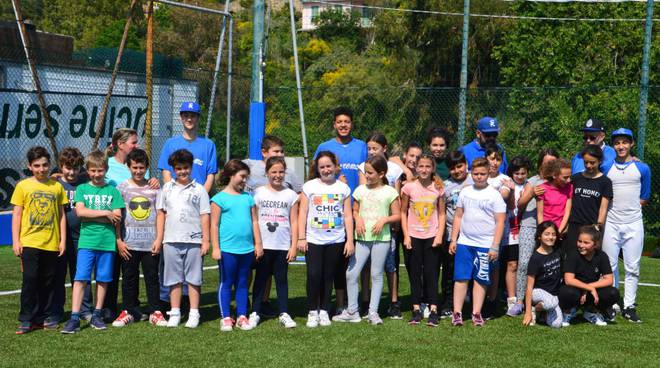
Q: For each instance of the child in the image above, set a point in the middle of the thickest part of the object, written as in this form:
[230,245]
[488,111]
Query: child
[137,246]
[376,206]
[437,140]
[459,178]
[98,204]
[423,224]
[325,223]
[234,244]
[182,227]
[624,229]
[587,280]
[39,238]
[555,202]
[544,277]
[479,220]
[70,162]
[277,208]
[271,146]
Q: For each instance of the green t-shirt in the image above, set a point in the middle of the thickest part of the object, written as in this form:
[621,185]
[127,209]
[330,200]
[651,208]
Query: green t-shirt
[93,234]
[374,205]
[441,169]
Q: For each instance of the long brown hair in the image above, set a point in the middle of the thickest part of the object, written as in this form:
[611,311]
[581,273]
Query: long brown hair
[379,163]
[313,170]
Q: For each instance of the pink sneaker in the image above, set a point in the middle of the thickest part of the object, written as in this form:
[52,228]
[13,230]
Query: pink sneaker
[157,319]
[477,320]
[227,324]
[457,319]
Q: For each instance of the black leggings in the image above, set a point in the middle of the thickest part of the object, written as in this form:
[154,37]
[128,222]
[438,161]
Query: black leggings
[323,263]
[424,268]
[569,297]
[447,284]
[272,263]
[130,285]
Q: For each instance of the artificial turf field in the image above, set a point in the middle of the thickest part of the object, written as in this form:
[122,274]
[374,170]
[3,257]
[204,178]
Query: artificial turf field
[503,342]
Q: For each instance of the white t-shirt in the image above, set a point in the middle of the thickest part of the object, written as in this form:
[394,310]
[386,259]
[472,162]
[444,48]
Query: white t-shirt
[258,177]
[184,205]
[394,171]
[274,209]
[325,216]
[498,182]
[479,209]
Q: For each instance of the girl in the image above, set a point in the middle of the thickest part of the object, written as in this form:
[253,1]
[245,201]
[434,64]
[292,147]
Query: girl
[592,193]
[234,245]
[587,279]
[555,202]
[544,278]
[423,224]
[277,207]
[376,206]
[377,145]
[326,217]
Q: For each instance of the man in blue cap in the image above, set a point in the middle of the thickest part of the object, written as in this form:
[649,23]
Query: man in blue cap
[487,131]
[205,164]
[593,132]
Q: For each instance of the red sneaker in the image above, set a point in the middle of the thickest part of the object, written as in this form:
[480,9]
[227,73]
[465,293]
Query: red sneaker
[124,319]
[157,319]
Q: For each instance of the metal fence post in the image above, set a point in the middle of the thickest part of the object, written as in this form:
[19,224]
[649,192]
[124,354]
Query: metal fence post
[644,92]
[216,71]
[230,43]
[298,84]
[464,60]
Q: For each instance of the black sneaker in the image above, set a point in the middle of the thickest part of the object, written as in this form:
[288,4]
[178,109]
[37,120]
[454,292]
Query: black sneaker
[433,319]
[446,313]
[609,314]
[630,314]
[395,311]
[71,326]
[416,317]
[97,323]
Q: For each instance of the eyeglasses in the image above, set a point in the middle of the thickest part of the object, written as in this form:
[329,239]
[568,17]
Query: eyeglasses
[134,205]
[588,137]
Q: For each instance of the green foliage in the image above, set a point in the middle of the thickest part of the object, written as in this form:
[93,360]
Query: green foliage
[111,35]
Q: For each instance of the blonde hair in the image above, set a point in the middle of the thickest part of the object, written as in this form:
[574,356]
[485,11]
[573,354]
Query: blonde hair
[120,135]
[96,159]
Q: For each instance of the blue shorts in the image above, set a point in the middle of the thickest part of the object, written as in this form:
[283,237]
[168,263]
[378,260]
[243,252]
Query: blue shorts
[99,261]
[471,263]
[390,261]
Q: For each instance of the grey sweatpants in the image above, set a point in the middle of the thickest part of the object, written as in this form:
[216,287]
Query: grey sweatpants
[525,250]
[550,303]
[363,250]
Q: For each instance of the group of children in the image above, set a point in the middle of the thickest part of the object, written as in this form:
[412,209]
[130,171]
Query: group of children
[542,234]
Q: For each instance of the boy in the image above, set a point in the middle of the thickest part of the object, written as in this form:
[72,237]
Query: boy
[137,245]
[271,146]
[183,227]
[70,162]
[624,228]
[98,205]
[38,237]
[479,220]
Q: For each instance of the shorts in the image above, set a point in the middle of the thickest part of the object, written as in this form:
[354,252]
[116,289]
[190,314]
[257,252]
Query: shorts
[100,261]
[471,263]
[509,253]
[182,263]
[390,261]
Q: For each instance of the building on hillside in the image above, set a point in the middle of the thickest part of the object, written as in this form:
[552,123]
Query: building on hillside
[311,10]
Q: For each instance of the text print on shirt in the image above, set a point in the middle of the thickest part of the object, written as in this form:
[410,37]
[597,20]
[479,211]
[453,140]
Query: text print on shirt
[328,208]
[95,201]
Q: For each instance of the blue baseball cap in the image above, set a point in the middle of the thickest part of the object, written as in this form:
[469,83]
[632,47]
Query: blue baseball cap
[488,125]
[623,132]
[190,106]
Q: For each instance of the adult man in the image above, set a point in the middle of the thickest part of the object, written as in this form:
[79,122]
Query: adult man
[593,132]
[488,129]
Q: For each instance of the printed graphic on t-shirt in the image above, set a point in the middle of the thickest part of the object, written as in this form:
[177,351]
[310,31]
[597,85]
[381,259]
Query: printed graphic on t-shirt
[189,215]
[42,208]
[328,209]
[273,213]
[481,263]
[139,208]
[98,201]
[423,209]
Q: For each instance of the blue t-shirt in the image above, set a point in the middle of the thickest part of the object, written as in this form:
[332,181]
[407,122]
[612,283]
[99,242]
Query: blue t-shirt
[118,173]
[235,222]
[350,157]
[205,161]
[609,154]
[474,150]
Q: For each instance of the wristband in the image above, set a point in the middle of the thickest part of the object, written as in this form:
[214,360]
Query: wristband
[302,238]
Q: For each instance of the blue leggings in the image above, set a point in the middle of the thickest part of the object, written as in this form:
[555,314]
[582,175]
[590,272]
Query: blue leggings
[235,269]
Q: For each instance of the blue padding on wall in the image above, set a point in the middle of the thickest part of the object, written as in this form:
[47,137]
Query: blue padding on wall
[256,129]
[5,228]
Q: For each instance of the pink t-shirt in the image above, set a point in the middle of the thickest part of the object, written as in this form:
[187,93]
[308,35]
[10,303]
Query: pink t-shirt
[554,202]
[422,209]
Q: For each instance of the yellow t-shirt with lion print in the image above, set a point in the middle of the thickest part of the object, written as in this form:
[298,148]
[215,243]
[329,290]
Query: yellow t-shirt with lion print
[40,222]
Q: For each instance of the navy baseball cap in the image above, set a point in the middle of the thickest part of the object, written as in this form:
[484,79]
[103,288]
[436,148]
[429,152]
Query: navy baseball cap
[488,125]
[593,125]
[190,106]
[623,132]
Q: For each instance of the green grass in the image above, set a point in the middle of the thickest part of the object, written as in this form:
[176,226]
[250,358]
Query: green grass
[502,342]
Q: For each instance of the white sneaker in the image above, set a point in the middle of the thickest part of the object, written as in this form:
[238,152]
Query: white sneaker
[594,318]
[312,319]
[193,320]
[324,319]
[347,316]
[554,317]
[243,323]
[287,321]
[374,319]
[254,319]
[425,310]
[226,324]
[174,320]
[567,317]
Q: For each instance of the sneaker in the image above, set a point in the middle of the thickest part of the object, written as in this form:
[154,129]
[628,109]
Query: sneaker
[347,316]
[71,326]
[97,323]
[609,314]
[433,319]
[446,313]
[416,317]
[477,320]
[374,319]
[175,319]
[313,319]
[617,308]
[324,319]
[457,319]
[426,312]
[554,317]
[193,320]
[394,311]
[51,324]
[567,317]
[286,321]
[157,319]
[24,328]
[243,323]
[514,310]
[124,319]
[226,324]
[533,322]
[254,319]
[594,318]
[630,314]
